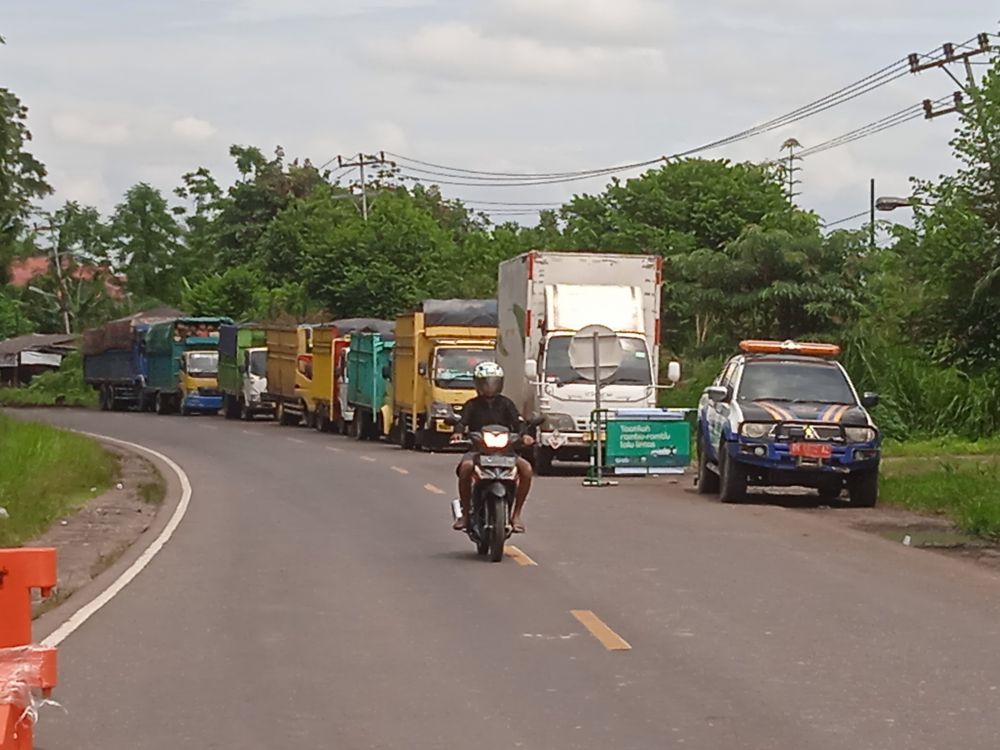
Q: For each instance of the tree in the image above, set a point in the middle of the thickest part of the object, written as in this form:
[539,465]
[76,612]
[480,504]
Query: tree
[145,238]
[13,322]
[22,176]
[949,264]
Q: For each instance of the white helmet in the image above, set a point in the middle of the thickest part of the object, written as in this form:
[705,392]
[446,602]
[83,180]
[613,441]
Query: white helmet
[488,379]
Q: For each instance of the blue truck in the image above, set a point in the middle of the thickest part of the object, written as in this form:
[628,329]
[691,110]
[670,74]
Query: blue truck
[114,360]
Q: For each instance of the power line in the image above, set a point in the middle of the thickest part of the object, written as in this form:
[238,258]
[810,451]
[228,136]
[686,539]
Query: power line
[845,220]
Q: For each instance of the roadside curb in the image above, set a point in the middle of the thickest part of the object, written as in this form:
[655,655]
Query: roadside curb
[57,624]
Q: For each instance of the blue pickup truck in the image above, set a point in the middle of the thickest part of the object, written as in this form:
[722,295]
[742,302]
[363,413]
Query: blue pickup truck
[787,414]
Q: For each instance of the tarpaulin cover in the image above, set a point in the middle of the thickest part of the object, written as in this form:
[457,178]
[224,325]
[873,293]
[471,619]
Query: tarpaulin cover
[349,326]
[459,312]
[119,334]
[228,339]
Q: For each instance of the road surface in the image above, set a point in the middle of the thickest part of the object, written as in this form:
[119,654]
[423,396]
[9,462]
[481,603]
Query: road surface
[315,597]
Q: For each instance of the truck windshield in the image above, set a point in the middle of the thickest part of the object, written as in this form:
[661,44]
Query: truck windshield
[795,381]
[258,363]
[203,364]
[635,368]
[453,367]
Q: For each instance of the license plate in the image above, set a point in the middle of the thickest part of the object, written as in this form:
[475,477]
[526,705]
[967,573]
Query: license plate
[812,450]
[498,462]
[443,427]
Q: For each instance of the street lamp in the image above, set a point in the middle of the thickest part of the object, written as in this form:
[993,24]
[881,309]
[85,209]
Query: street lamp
[891,203]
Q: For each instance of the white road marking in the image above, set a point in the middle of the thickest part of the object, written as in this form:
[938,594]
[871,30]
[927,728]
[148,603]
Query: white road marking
[295,440]
[89,609]
[399,470]
[334,448]
[368,458]
[434,489]
[250,432]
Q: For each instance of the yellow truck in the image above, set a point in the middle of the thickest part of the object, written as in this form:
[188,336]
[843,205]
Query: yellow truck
[437,347]
[326,404]
[290,372]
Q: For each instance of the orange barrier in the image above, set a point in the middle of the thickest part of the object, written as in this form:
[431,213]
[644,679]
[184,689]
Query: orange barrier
[24,668]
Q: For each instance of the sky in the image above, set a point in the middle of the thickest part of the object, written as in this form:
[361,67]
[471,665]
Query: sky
[122,91]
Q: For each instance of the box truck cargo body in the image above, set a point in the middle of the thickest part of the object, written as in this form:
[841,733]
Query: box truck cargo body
[544,299]
[243,371]
[369,365]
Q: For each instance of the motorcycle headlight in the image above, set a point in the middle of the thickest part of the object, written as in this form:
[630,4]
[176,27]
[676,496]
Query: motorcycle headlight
[561,422]
[496,440]
[439,410]
[859,434]
[756,430]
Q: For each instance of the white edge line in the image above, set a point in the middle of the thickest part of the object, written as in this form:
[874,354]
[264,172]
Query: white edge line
[91,608]
[399,470]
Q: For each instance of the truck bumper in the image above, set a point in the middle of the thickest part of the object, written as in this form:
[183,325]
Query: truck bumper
[774,464]
[567,446]
[197,402]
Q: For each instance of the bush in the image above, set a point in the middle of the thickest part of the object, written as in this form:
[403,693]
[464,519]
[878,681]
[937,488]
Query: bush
[64,386]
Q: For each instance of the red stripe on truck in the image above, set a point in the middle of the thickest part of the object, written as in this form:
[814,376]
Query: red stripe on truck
[527,324]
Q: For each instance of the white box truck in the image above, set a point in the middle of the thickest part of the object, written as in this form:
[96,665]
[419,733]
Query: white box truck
[544,298]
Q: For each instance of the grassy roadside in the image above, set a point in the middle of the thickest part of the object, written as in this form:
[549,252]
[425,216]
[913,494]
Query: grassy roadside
[948,476]
[44,474]
[62,387]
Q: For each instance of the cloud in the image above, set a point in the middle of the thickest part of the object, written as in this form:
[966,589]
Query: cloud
[77,128]
[627,22]
[461,52]
[193,129]
[256,11]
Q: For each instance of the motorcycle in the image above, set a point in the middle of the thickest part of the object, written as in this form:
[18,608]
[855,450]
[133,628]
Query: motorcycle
[494,486]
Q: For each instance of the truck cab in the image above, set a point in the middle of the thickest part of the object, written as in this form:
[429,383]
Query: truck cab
[199,381]
[254,385]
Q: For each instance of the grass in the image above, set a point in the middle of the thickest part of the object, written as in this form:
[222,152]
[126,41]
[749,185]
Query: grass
[62,387]
[44,474]
[948,445]
[966,491]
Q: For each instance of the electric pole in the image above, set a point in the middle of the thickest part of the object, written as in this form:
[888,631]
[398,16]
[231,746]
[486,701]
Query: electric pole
[362,161]
[791,170]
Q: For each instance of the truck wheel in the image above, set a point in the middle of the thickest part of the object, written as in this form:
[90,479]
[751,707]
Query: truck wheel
[228,407]
[543,458]
[245,414]
[162,404]
[863,489]
[732,478]
[102,397]
[708,480]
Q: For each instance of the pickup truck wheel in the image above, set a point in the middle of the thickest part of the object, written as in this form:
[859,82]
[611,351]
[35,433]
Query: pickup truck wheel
[732,478]
[863,489]
[543,457]
[708,480]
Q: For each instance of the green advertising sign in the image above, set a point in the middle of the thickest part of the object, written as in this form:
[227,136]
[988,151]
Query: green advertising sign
[647,444]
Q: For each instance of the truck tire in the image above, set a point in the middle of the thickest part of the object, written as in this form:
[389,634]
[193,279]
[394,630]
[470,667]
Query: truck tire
[732,478]
[287,419]
[229,405]
[162,403]
[102,396]
[543,457]
[863,489]
[245,414]
[708,480]
[829,490]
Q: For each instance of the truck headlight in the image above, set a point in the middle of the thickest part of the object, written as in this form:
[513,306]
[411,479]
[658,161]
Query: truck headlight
[441,410]
[756,430]
[859,434]
[561,422]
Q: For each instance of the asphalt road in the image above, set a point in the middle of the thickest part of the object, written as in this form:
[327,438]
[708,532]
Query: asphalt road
[315,597]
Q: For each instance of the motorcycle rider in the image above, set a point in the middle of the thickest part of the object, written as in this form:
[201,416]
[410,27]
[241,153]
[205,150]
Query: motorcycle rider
[489,407]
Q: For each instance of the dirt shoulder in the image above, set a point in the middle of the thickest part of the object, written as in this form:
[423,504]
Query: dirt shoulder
[92,538]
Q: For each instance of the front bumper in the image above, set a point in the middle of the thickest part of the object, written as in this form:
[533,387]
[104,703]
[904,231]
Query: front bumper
[776,458]
[198,402]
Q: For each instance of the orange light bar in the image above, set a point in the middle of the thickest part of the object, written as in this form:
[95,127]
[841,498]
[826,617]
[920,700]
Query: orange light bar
[752,346]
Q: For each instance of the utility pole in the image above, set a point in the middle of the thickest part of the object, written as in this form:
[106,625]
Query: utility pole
[872,217]
[362,161]
[791,170]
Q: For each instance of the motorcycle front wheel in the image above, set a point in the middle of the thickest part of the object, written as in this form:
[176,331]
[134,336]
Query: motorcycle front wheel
[498,532]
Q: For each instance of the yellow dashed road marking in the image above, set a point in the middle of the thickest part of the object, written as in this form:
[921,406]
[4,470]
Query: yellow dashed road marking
[399,470]
[518,556]
[608,638]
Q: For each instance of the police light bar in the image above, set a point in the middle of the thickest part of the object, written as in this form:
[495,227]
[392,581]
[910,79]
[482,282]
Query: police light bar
[752,346]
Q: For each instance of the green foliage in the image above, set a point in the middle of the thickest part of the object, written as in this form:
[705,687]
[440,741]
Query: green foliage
[44,474]
[146,240]
[967,491]
[61,387]
[22,176]
[13,321]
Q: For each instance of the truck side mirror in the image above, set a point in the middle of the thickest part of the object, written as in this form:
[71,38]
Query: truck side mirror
[182,364]
[717,393]
[674,372]
[870,400]
[422,369]
[531,369]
